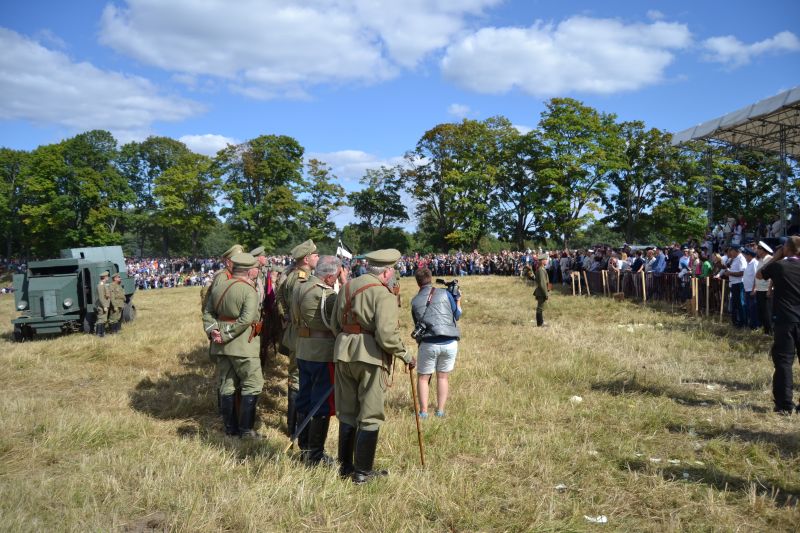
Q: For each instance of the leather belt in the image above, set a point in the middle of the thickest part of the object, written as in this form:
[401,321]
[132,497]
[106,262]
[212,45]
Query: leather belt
[314,333]
[355,329]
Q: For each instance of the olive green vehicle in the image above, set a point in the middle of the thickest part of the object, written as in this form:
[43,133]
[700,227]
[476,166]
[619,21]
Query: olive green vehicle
[58,295]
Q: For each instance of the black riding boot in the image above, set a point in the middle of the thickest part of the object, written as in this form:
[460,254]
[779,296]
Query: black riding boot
[539,318]
[364,456]
[226,409]
[291,413]
[100,330]
[347,443]
[317,434]
[302,438]
[247,417]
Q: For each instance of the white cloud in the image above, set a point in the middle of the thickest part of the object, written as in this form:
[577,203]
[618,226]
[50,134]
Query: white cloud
[655,14]
[522,128]
[350,165]
[458,110]
[208,144]
[271,48]
[733,52]
[44,86]
[579,54]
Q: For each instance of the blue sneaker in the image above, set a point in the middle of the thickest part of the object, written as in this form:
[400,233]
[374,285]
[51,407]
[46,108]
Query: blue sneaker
[423,415]
[440,414]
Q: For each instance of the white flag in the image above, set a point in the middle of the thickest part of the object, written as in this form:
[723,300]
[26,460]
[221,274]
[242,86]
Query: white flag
[342,251]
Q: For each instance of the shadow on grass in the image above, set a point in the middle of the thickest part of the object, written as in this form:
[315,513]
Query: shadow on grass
[631,385]
[192,397]
[782,495]
[787,444]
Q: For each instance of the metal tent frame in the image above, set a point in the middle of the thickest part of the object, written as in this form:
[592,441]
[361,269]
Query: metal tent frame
[770,125]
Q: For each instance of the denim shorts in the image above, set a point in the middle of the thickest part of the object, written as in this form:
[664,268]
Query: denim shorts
[438,357]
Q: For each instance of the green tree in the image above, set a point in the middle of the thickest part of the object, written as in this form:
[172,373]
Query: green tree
[636,185]
[262,180]
[141,164]
[12,186]
[185,193]
[452,177]
[585,147]
[378,205]
[322,199]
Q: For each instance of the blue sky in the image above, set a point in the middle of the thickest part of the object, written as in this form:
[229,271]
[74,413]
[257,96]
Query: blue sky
[357,82]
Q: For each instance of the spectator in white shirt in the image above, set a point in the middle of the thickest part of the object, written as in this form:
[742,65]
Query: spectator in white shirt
[763,289]
[749,282]
[734,273]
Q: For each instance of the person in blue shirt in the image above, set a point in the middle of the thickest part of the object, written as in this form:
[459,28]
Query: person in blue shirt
[435,312]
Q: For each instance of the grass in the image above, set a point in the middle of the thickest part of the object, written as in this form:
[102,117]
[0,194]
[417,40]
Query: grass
[674,431]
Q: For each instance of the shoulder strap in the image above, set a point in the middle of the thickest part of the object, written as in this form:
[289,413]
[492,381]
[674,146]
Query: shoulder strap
[348,302]
[221,298]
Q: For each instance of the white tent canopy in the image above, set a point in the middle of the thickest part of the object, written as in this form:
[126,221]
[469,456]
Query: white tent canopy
[758,126]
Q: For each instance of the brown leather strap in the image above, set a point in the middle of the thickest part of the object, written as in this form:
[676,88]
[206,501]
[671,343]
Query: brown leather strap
[355,329]
[313,333]
[347,316]
[221,298]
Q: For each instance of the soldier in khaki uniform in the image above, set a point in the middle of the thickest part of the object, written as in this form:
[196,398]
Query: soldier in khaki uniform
[368,340]
[117,304]
[314,302]
[102,304]
[540,292]
[305,259]
[225,273]
[231,322]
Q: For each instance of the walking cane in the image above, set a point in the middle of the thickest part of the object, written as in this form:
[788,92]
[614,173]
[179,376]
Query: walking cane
[416,417]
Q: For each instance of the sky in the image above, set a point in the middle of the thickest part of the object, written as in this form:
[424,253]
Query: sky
[358,82]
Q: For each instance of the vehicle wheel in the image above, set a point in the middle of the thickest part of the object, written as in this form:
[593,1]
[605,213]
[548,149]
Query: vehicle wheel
[18,337]
[129,312]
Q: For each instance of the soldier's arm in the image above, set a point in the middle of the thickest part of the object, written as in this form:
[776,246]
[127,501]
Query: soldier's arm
[387,330]
[247,315]
[209,320]
[337,304]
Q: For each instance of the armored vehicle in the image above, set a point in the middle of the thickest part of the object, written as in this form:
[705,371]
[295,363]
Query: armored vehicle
[58,295]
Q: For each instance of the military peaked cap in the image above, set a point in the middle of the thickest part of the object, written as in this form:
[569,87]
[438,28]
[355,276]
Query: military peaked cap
[383,258]
[749,252]
[255,252]
[764,246]
[117,275]
[304,249]
[243,261]
[104,273]
[233,250]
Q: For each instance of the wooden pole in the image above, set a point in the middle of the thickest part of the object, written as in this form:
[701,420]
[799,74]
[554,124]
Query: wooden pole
[586,278]
[696,296]
[644,289]
[619,277]
[708,285]
[416,417]
[722,301]
[572,279]
[604,278]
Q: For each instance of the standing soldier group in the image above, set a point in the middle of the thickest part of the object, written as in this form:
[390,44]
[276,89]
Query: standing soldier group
[109,304]
[341,346]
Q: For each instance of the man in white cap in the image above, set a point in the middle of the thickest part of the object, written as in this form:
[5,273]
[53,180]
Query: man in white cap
[763,289]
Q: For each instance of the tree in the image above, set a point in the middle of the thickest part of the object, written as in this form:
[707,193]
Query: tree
[452,176]
[522,185]
[323,198]
[636,184]
[585,147]
[12,186]
[262,178]
[185,193]
[379,204]
[141,164]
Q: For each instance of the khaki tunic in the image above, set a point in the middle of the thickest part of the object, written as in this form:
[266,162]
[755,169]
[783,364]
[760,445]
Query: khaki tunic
[289,340]
[540,291]
[310,301]
[362,359]
[238,364]
[117,303]
[102,303]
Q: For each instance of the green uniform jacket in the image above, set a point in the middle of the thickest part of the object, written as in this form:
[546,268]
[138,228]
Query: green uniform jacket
[284,300]
[117,302]
[103,302]
[311,299]
[375,310]
[233,317]
[540,292]
[220,276]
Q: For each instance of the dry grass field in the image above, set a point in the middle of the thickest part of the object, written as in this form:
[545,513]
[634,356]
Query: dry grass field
[674,431]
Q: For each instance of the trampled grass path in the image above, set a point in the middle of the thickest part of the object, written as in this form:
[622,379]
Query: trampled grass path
[674,431]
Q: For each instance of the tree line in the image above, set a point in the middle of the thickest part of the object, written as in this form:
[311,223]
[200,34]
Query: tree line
[476,183]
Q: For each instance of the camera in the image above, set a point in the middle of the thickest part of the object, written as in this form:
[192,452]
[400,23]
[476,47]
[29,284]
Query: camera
[419,331]
[452,287]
